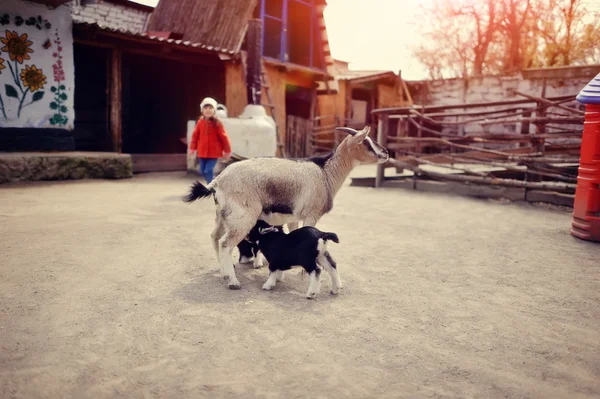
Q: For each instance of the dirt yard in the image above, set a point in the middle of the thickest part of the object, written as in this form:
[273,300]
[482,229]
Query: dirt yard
[109,289]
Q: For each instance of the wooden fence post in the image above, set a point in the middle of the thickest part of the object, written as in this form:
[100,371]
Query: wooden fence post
[382,129]
[253,65]
[116,92]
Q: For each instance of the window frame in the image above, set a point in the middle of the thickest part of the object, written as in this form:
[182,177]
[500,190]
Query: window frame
[283,48]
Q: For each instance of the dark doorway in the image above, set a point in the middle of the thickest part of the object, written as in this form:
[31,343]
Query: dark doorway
[298,101]
[91,131]
[160,96]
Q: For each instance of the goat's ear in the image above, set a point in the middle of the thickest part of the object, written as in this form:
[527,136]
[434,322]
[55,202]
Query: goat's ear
[362,135]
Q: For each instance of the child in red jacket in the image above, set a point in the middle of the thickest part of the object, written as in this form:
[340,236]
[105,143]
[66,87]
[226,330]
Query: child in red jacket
[209,139]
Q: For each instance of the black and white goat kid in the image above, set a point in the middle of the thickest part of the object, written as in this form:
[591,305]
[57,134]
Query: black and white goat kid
[305,247]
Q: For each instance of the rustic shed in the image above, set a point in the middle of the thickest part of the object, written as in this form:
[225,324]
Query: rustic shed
[293,46]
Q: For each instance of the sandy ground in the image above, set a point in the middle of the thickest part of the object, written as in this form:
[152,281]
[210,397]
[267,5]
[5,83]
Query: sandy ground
[108,289]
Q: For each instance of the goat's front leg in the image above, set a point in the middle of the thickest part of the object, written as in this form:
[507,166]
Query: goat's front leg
[311,221]
[293,226]
[258,260]
[271,281]
[227,243]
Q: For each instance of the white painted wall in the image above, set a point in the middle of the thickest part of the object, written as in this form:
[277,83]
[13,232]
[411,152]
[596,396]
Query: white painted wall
[48,104]
[559,82]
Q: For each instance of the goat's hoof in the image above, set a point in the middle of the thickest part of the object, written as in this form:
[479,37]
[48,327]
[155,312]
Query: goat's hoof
[234,285]
[245,259]
[267,287]
[311,295]
[258,266]
[332,292]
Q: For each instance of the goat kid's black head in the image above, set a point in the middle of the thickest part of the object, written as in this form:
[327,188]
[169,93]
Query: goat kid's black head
[261,225]
[372,151]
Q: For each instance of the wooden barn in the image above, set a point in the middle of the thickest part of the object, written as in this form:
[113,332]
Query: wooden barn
[294,48]
[356,94]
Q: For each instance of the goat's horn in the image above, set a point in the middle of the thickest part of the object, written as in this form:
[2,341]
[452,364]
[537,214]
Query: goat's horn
[348,130]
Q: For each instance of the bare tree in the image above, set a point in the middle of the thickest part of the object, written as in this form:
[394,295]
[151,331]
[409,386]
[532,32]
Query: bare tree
[515,14]
[567,30]
[484,18]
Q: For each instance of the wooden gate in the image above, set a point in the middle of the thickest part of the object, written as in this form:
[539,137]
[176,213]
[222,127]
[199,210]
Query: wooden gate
[297,137]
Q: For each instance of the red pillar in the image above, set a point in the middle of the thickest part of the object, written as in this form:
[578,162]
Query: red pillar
[586,209]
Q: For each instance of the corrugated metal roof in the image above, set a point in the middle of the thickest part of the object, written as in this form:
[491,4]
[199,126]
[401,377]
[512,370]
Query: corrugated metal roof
[217,24]
[175,42]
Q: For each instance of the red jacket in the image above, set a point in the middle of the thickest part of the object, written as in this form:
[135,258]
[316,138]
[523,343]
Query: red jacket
[210,139]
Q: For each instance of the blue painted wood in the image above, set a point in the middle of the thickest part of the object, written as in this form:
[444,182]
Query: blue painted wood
[283,51]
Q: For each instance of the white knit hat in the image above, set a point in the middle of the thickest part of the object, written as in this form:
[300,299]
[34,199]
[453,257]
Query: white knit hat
[208,101]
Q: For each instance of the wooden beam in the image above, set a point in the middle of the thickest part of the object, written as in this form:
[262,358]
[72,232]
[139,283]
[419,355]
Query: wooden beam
[115,90]
[440,108]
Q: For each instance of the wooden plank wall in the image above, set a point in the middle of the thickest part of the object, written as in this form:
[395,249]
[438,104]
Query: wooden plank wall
[236,97]
[278,79]
[389,96]
[333,104]
[235,89]
[298,133]
[277,82]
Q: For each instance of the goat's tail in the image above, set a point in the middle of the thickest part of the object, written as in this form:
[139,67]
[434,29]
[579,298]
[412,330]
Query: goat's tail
[198,190]
[331,236]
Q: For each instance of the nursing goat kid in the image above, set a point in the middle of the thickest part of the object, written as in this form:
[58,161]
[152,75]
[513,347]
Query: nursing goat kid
[305,247]
[280,191]
[249,249]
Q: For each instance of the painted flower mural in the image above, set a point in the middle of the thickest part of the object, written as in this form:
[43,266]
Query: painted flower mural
[60,96]
[2,66]
[17,46]
[33,78]
[35,89]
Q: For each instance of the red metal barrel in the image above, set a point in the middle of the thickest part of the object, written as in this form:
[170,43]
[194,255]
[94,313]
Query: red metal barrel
[586,209]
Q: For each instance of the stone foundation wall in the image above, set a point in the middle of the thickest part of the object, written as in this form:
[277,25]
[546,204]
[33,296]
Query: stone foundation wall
[66,166]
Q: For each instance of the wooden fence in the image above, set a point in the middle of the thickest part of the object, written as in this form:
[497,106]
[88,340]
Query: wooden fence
[534,141]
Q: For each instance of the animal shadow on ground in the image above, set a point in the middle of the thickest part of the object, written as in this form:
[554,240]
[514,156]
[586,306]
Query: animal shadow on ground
[209,287]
